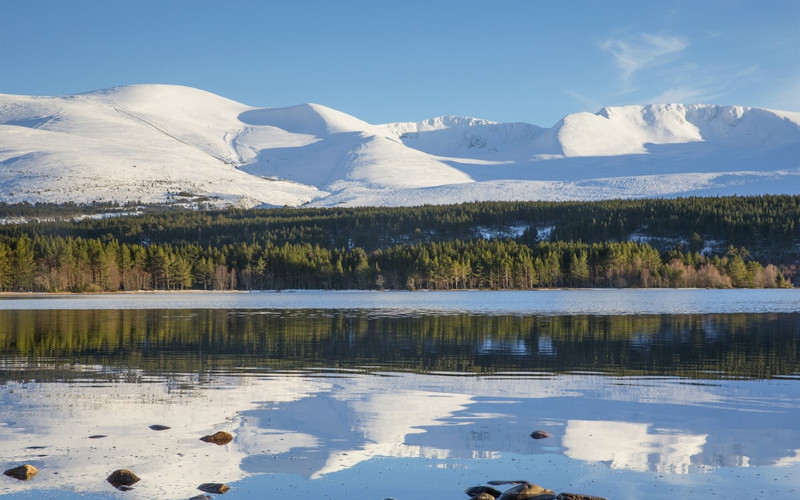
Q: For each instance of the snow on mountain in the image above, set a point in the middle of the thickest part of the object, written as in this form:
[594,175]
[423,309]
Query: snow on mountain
[165,143]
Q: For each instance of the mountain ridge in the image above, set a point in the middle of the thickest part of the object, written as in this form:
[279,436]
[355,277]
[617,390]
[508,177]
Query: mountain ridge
[150,142]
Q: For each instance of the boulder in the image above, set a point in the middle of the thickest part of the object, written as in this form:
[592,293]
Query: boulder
[219,438]
[477,490]
[218,488]
[23,472]
[540,434]
[122,477]
[157,427]
[528,491]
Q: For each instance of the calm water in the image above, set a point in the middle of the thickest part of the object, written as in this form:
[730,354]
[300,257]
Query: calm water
[357,395]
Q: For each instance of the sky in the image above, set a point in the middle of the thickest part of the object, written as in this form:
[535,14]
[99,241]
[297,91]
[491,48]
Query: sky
[528,61]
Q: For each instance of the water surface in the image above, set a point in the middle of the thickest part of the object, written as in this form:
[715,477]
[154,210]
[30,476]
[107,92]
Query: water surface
[673,394]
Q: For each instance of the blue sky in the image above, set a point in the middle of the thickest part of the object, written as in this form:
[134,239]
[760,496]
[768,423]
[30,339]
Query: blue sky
[530,61]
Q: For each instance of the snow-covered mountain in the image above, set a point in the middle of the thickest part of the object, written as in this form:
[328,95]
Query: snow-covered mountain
[164,143]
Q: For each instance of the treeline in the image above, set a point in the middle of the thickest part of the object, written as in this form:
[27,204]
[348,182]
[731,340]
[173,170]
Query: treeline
[55,263]
[769,226]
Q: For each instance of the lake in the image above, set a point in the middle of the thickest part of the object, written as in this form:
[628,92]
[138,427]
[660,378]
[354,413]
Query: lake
[656,394]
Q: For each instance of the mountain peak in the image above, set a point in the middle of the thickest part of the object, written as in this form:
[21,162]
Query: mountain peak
[148,142]
[308,118]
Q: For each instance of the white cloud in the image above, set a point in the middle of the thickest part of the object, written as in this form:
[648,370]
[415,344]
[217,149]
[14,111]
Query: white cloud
[686,95]
[705,84]
[644,50]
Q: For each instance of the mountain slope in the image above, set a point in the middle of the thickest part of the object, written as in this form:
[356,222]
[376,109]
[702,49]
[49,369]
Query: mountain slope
[163,143]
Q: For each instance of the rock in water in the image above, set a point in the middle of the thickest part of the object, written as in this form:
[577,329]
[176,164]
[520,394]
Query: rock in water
[528,491]
[477,490]
[157,427]
[220,438]
[23,472]
[218,488]
[122,477]
[483,496]
[540,434]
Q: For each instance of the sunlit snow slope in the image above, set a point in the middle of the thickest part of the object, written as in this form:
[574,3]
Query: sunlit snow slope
[163,143]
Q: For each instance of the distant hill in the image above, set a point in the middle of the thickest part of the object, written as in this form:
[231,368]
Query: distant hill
[172,144]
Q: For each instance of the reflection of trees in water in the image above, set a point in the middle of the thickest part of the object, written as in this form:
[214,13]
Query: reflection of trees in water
[172,341]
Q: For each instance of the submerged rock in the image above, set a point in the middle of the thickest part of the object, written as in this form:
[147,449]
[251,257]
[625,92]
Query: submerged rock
[220,438]
[483,496]
[528,491]
[122,477]
[157,427]
[477,490]
[540,434]
[23,472]
[218,488]
[498,482]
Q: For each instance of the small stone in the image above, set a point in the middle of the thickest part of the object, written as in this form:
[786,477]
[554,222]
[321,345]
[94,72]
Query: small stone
[540,434]
[528,491]
[122,477]
[157,427]
[219,438]
[578,496]
[23,472]
[218,488]
[477,490]
[125,488]
[97,436]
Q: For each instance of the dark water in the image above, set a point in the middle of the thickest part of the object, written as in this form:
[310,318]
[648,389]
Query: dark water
[399,402]
[168,341]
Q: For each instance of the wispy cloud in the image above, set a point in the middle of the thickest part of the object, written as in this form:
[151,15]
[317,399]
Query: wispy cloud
[588,103]
[704,84]
[687,95]
[642,51]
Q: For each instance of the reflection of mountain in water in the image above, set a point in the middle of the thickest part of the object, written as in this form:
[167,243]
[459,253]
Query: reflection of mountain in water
[316,393]
[628,445]
[315,423]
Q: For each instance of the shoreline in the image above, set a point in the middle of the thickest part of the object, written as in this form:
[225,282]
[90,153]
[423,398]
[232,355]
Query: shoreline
[351,290]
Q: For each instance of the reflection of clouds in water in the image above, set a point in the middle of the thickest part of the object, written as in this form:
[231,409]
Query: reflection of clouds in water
[313,424]
[628,445]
